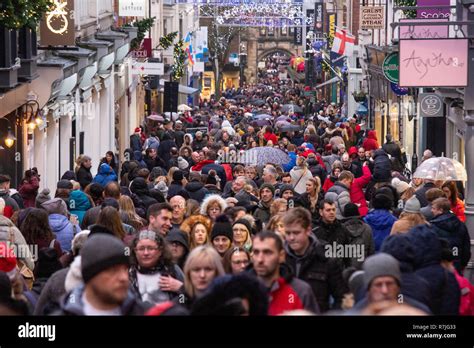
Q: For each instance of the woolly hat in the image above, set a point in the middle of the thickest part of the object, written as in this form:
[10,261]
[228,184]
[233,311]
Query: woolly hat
[380,265]
[42,197]
[222,227]
[268,186]
[69,175]
[100,252]
[64,184]
[178,236]
[412,205]
[178,175]
[286,187]
[161,186]
[244,222]
[55,206]
[7,260]
[182,163]
[382,201]
[350,210]
[400,186]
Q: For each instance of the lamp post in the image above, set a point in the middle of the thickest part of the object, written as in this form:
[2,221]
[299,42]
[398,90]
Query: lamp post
[242,63]
[10,138]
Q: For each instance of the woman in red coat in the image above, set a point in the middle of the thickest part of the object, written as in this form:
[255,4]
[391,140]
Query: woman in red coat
[29,188]
[356,191]
[457,205]
[371,143]
[332,178]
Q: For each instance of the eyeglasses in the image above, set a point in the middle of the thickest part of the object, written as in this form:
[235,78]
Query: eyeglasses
[147,248]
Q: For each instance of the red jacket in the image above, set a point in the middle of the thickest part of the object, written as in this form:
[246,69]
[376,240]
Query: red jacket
[356,192]
[458,210]
[370,143]
[279,296]
[28,191]
[328,183]
[272,137]
[198,167]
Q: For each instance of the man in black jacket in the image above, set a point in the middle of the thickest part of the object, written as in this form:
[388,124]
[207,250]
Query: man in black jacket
[196,188]
[84,175]
[306,256]
[421,192]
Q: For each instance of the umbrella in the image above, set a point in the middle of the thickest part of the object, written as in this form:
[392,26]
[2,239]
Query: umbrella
[239,96]
[257,102]
[281,124]
[263,155]
[290,128]
[291,108]
[184,107]
[157,118]
[261,123]
[262,117]
[283,118]
[441,168]
[259,112]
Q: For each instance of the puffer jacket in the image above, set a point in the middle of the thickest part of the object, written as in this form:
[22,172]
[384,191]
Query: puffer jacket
[360,233]
[444,288]
[357,193]
[382,166]
[79,204]
[196,191]
[106,174]
[63,229]
[340,195]
[323,274]
[381,222]
[371,142]
[28,191]
[455,232]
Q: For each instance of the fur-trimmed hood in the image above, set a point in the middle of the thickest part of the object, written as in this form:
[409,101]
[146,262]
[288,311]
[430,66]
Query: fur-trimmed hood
[193,220]
[210,199]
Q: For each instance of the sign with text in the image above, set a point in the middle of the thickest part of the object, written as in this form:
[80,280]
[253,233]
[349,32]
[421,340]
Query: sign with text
[332,25]
[433,12]
[148,69]
[57,25]
[431,105]
[144,51]
[132,8]
[372,17]
[318,19]
[309,14]
[434,63]
[418,31]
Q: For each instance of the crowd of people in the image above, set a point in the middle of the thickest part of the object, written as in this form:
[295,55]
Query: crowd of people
[175,228]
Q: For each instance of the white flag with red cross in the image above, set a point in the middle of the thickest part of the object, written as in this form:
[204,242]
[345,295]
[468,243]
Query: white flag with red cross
[343,43]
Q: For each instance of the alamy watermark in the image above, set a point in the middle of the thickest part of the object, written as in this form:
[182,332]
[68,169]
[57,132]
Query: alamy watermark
[22,251]
[345,251]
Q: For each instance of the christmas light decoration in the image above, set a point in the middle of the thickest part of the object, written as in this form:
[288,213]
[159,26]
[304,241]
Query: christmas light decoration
[15,14]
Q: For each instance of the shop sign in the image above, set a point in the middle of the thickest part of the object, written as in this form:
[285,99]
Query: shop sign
[57,25]
[390,67]
[372,17]
[431,105]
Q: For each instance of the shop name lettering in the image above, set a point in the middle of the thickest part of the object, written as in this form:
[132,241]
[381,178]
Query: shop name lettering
[132,8]
[424,65]
[37,331]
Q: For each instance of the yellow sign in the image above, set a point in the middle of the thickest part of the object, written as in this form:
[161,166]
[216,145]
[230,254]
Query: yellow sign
[332,25]
[57,26]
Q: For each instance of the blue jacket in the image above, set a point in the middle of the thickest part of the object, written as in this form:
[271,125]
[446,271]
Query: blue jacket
[106,174]
[63,229]
[289,166]
[444,288]
[79,204]
[381,222]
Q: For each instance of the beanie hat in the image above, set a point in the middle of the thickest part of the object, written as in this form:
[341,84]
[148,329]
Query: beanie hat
[55,206]
[161,186]
[350,210]
[268,186]
[382,201]
[380,265]
[100,252]
[245,223]
[178,175]
[286,187]
[400,186]
[69,175]
[7,260]
[64,184]
[178,236]
[400,247]
[222,227]
[182,163]
[412,205]
[42,197]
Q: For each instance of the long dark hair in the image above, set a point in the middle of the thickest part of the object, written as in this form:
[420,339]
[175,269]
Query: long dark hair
[453,191]
[110,218]
[36,227]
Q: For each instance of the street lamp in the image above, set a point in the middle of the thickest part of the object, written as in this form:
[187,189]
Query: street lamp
[242,63]
[10,138]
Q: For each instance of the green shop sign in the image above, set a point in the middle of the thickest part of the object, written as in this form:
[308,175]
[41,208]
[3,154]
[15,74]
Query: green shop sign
[391,67]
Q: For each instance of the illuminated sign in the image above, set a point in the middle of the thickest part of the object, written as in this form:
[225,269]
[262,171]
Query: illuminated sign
[57,26]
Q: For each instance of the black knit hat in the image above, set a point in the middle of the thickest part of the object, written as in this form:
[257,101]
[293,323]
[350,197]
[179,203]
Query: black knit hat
[351,210]
[64,184]
[286,187]
[222,227]
[100,252]
[244,222]
[268,186]
[178,175]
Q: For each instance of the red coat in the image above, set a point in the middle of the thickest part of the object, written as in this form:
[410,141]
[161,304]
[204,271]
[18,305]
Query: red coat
[371,143]
[28,191]
[279,299]
[272,137]
[458,210]
[328,183]
[356,192]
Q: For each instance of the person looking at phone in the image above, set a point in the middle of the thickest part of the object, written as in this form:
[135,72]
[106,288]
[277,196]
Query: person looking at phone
[154,278]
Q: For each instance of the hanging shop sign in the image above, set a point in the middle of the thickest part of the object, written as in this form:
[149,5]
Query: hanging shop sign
[144,51]
[398,90]
[433,12]
[132,8]
[434,63]
[390,67]
[431,105]
[57,25]
[419,31]
[372,17]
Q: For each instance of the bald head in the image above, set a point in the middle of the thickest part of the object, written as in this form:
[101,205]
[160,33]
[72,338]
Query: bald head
[178,203]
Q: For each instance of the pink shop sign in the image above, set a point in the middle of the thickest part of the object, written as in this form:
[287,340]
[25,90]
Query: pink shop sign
[418,31]
[434,63]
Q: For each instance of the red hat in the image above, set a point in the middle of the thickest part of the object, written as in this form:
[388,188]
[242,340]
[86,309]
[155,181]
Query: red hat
[7,260]
[352,150]
[357,128]
[328,147]
[138,130]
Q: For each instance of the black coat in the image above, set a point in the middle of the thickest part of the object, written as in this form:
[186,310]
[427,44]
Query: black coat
[323,274]
[303,201]
[84,176]
[421,193]
[333,233]
[164,151]
[140,188]
[455,232]
[219,170]
[152,163]
[174,189]
[382,166]
[196,191]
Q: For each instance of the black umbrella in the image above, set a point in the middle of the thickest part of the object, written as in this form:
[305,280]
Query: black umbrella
[257,102]
[240,96]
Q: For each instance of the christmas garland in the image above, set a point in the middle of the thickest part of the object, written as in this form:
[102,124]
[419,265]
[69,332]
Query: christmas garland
[179,54]
[143,26]
[15,14]
[403,3]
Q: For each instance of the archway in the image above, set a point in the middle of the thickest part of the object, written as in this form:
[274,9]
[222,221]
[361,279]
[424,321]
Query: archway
[272,51]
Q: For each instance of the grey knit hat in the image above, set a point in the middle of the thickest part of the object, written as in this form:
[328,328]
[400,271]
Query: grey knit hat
[412,205]
[100,252]
[42,197]
[380,265]
[55,206]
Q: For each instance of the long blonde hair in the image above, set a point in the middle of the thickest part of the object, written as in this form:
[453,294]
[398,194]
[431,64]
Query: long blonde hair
[126,206]
[202,253]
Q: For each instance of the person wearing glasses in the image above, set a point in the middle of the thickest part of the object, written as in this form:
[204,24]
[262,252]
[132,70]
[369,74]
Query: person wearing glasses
[236,260]
[154,278]
[241,230]
[213,206]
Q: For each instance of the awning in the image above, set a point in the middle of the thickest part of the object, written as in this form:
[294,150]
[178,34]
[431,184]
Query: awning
[181,89]
[329,82]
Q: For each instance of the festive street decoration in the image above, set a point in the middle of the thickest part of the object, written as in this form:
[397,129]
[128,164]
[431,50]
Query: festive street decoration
[343,42]
[143,26]
[15,14]
[403,3]
[179,54]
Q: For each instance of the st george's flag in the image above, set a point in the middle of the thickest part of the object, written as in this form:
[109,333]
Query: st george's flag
[343,43]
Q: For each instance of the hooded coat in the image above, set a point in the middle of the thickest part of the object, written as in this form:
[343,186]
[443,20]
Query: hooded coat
[444,288]
[382,166]
[360,233]
[164,151]
[356,192]
[106,174]
[381,222]
[210,199]
[79,204]
[455,232]
[196,190]
[371,143]
[140,188]
[63,229]
[323,274]
[28,191]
